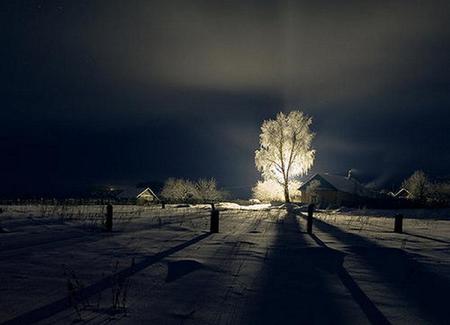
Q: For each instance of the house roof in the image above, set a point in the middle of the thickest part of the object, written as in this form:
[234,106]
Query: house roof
[402,192]
[338,183]
[147,190]
[134,192]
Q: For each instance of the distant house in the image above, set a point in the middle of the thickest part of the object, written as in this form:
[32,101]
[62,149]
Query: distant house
[142,195]
[403,193]
[147,196]
[328,190]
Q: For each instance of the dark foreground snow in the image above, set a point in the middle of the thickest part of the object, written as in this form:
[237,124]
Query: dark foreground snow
[262,268]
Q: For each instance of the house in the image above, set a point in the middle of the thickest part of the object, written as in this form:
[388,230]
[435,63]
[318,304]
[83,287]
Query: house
[142,195]
[147,196]
[328,190]
[403,193]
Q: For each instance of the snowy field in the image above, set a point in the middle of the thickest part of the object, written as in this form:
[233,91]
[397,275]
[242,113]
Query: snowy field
[162,266]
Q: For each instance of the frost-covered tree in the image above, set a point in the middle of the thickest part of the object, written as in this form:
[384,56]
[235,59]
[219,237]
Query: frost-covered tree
[178,190]
[418,185]
[206,190]
[181,190]
[440,193]
[312,187]
[271,190]
[285,149]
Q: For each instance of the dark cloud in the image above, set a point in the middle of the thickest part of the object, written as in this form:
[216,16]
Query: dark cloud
[122,92]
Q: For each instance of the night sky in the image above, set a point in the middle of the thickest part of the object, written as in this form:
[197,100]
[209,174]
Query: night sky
[118,92]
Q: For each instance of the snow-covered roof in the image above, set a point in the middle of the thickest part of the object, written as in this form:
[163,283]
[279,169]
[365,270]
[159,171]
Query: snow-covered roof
[339,183]
[147,190]
[135,192]
[403,192]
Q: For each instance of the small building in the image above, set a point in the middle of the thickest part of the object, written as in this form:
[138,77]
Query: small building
[328,190]
[147,196]
[140,195]
[403,193]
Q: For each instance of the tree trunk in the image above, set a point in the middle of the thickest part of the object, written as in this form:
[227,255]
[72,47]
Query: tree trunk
[286,193]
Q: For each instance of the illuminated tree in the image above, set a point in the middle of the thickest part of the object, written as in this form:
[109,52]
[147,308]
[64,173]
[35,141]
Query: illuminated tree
[312,187]
[271,190]
[206,190]
[418,185]
[181,190]
[178,190]
[285,149]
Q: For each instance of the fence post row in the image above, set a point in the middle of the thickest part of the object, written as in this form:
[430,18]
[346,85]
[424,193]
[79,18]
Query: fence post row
[109,217]
[309,219]
[398,224]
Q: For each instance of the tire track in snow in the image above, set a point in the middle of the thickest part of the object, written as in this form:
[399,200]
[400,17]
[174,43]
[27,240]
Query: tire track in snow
[232,259]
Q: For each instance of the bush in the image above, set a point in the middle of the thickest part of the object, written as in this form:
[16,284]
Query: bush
[178,190]
[185,191]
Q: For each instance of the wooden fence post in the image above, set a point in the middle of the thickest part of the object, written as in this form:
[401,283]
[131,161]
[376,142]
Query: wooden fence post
[398,225]
[1,228]
[214,225]
[109,217]
[309,219]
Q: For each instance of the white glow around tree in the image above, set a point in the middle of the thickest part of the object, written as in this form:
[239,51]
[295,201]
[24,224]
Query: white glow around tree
[285,149]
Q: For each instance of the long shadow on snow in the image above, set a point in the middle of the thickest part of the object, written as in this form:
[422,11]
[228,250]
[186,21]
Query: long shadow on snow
[422,288]
[294,285]
[60,305]
[427,237]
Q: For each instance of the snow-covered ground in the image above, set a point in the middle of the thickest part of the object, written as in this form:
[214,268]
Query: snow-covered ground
[164,267]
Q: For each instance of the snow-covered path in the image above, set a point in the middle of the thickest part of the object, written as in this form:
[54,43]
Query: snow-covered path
[261,268]
[406,275]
